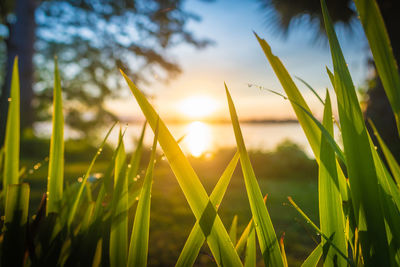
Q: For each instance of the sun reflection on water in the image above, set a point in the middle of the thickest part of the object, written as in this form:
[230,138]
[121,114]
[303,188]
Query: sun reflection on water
[198,138]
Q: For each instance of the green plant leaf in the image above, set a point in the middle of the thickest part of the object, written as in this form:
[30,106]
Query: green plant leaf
[15,220]
[139,244]
[363,179]
[330,202]
[233,229]
[217,237]
[11,142]
[250,259]
[313,259]
[119,208]
[384,60]
[56,158]
[196,238]
[393,165]
[77,199]
[263,225]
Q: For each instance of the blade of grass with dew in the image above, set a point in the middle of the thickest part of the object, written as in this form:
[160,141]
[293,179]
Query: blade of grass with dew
[139,245]
[243,238]
[72,212]
[309,127]
[134,163]
[199,202]
[119,220]
[311,89]
[250,259]
[196,237]
[11,142]
[233,229]
[15,220]
[329,199]
[56,157]
[313,259]
[360,164]
[318,231]
[106,182]
[393,165]
[382,52]
[263,225]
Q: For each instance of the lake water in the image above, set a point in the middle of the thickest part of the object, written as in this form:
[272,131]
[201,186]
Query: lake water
[202,139]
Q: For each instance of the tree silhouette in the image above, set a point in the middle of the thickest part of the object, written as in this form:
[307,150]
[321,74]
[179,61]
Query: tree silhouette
[92,39]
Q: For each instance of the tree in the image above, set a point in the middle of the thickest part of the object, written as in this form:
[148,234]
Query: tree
[92,39]
[285,14]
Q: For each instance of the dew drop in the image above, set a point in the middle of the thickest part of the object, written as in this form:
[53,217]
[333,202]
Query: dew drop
[137,198]
[9,99]
[80,179]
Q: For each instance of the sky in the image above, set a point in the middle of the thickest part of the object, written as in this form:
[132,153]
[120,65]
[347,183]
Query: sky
[237,59]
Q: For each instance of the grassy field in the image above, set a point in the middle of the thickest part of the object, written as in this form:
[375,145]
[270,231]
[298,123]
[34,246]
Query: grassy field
[171,219]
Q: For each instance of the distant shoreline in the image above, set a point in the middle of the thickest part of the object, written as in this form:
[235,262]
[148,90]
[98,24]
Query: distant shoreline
[218,121]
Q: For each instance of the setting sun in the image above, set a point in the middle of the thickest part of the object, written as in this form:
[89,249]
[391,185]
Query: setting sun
[198,106]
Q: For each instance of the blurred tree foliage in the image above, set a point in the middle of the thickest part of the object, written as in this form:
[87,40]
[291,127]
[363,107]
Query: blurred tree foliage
[286,14]
[92,39]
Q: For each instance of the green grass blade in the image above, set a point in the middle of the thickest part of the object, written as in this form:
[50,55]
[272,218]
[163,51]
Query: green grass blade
[196,238]
[199,202]
[382,52]
[393,165]
[250,258]
[139,244]
[243,238]
[16,215]
[313,259]
[240,245]
[74,206]
[330,202]
[265,230]
[233,229]
[299,105]
[363,178]
[56,159]
[134,163]
[282,246]
[325,237]
[11,142]
[119,220]
[311,89]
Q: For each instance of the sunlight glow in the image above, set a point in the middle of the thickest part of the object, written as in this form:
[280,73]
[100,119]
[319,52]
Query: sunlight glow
[198,106]
[198,138]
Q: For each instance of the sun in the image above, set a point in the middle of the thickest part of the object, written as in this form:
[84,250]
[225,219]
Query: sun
[197,107]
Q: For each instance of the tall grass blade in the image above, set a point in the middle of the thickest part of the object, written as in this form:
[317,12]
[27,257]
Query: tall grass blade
[330,202]
[318,231]
[77,200]
[119,220]
[199,202]
[250,259]
[393,165]
[134,163]
[282,246]
[301,109]
[363,178]
[56,159]
[139,244]
[196,238]
[265,231]
[11,142]
[381,49]
[16,215]
[243,238]
[233,229]
[311,89]
[313,259]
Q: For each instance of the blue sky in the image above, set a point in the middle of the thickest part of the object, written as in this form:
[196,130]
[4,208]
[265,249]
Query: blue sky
[237,59]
